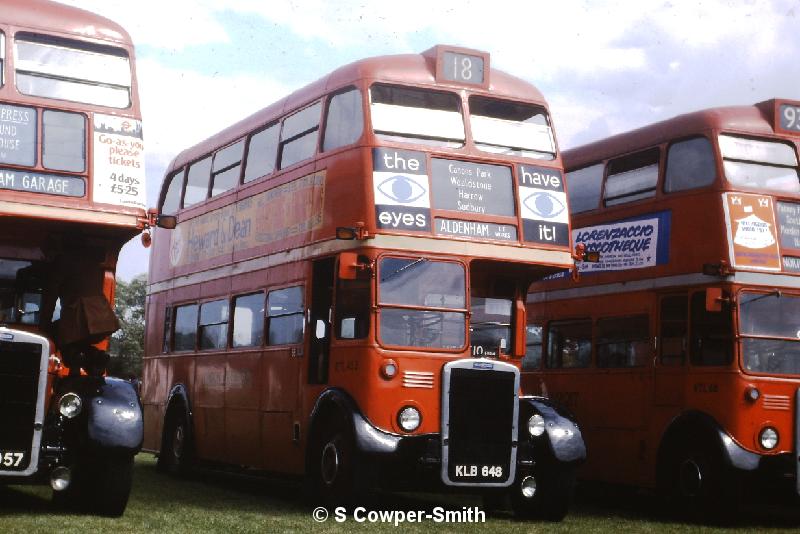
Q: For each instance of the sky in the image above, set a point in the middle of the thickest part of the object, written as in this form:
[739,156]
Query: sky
[604,67]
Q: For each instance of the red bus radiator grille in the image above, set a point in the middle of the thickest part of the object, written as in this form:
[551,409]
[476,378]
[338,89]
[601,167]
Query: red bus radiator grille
[19,389]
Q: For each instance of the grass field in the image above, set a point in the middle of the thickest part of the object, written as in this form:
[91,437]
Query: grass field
[227,503]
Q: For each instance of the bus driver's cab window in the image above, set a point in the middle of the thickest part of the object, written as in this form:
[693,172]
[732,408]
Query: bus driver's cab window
[711,333]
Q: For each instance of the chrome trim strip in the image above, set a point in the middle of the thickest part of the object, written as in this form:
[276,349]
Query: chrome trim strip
[26,337]
[468,364]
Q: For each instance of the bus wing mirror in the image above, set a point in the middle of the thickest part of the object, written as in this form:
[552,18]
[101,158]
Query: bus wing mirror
[714,299]
[348,266]
[166,221]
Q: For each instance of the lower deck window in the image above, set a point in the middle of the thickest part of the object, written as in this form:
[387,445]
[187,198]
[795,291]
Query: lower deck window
[569,344]
[285,311]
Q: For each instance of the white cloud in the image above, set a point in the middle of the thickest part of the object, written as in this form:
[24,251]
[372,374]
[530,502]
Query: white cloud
[169,24]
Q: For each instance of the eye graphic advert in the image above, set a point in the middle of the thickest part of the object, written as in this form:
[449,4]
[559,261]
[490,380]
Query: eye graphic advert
[401,190]
[543,205]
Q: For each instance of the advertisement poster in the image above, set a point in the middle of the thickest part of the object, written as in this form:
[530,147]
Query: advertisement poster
[543,205]
[752,234]
[630,244]
[119,176]
[279,213]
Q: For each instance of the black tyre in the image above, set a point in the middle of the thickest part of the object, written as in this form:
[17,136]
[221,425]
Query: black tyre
[100,485]
[697,481]
[553,488]
[176,450]
[332,466]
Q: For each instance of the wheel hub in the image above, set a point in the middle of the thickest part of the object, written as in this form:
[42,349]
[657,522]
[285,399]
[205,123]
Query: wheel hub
[330,463]
[691,478]
[177,442]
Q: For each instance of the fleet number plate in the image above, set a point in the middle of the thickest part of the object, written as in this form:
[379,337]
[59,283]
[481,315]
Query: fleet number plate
[476,471]
[11,458]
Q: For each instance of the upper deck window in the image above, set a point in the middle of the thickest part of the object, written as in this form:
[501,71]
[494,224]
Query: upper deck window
[172,200]
[64,141]
[65,69]
[226,168]
[583,188]
[299,135]
[261,153]
[632,177]
[759,164]
[511,128]
[690,165]
[418,115]
[197,183]
[345,120]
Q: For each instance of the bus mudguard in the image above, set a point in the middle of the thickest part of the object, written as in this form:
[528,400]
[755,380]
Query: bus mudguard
[699,424]
[368,438]
[564,436]
[114,417]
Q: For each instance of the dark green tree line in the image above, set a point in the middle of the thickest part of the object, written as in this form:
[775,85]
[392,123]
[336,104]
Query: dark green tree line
[127,343]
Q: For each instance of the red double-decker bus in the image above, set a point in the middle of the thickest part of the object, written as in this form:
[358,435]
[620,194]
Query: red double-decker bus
[344,294]
[679,350]
[71,194]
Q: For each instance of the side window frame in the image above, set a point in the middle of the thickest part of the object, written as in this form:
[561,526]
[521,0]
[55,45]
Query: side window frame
[601,180]
[198,161]
[201,325]
[666,166]
[326,119]
[261,320]
[248,152]
[625,161]
[215,172]
[179,173]
[549,356]
[296,136]
[270,317]
[176,311]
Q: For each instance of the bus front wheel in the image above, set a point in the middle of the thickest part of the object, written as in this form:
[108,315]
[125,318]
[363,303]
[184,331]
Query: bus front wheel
[332,465]
[547,494]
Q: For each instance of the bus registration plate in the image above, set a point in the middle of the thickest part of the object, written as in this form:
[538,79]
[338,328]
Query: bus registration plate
[11,459]
[472,472]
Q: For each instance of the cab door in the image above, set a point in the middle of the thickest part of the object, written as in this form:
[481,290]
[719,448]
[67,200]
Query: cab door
[671,349]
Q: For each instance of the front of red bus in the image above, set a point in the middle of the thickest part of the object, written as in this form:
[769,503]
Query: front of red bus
[467,207]
[763,218]
[72,181]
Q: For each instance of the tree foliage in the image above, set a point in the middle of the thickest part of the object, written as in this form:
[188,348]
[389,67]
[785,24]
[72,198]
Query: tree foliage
[127,343]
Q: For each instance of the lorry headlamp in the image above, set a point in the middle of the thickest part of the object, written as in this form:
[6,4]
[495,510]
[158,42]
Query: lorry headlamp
[536,425]
[70,405]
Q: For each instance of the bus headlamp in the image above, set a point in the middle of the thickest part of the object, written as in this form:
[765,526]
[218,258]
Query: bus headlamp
[70,405]
[768,438]
[409,419]
[536,425]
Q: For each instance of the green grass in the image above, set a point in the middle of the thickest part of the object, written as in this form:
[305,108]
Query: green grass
[226,503]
